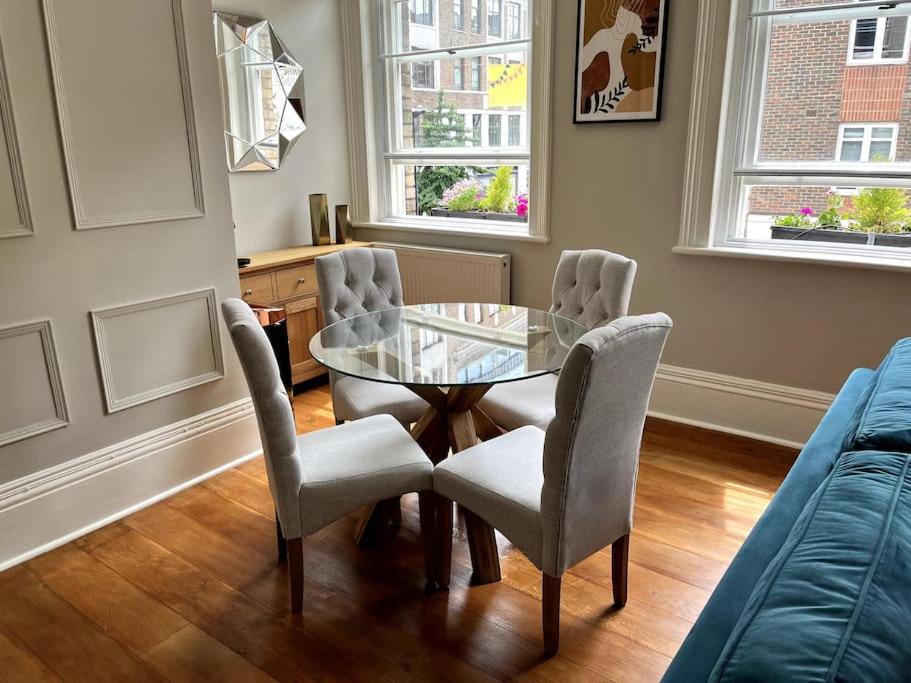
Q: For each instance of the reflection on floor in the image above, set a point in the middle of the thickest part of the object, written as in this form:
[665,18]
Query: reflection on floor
[190,588]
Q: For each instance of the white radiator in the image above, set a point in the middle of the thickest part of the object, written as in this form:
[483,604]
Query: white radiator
[434,275]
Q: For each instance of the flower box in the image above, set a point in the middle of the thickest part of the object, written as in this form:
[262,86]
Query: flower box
[780,232]
[478,215]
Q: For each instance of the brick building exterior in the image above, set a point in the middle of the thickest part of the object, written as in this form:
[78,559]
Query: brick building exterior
[821,78]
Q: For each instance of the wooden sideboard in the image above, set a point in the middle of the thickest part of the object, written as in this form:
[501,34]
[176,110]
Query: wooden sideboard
[286,278]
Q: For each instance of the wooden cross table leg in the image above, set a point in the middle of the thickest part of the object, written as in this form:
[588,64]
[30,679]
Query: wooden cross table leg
[450,423]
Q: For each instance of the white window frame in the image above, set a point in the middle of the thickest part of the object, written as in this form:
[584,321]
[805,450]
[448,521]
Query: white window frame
[434,12]
[879,40]
[713,196]
[368,149]
[867,139]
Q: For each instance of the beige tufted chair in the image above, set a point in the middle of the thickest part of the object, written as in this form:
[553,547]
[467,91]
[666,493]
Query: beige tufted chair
[352,282]
[563,494]
[592,287]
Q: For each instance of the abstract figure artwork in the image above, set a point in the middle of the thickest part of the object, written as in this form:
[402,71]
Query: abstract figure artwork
[263,90]
[620,60]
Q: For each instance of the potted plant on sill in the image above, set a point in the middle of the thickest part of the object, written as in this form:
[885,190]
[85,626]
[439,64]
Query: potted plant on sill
[879,216]
[467,199]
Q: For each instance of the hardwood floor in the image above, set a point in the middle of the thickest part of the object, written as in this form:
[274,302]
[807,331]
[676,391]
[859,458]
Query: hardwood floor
[190,588]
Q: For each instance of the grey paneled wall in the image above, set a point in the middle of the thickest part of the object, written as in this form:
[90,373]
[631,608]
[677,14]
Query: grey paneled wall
[117,120]
[130,123]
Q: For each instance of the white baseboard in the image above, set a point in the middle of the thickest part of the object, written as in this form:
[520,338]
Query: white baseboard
[54,506]
[768,412]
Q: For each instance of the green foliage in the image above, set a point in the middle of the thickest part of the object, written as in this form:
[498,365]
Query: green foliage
[433,181]
[792,220]
[881,209]
[499,192]
[832,217]
[440,127]
[463,196]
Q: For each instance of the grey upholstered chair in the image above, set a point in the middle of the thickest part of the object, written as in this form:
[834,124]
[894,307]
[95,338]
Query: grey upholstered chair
[564,494]
[322,476]
[351,282]
[591,287]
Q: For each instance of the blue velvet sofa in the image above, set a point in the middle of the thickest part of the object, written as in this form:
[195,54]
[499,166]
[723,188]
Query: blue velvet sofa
[821,589]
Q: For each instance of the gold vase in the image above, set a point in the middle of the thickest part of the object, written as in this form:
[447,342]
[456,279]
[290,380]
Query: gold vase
[343,229]
[319,219]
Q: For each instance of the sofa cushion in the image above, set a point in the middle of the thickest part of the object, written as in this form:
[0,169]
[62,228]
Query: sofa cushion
[882,418]
[834,604]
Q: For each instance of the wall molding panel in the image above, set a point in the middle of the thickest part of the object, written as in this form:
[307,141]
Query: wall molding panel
[78,178]
[56,505]
[24,226]
[60,415]
[759,410]
[155,336]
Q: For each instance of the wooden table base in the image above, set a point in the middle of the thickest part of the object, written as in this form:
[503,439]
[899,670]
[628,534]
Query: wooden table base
[452,422]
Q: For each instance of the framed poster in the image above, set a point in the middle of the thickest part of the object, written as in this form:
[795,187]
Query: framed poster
[620,47]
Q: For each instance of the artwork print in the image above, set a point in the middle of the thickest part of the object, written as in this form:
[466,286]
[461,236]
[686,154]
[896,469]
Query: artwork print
[620,60]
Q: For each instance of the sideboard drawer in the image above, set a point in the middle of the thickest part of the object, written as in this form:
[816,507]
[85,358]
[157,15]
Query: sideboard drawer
[295,281]
[257,288]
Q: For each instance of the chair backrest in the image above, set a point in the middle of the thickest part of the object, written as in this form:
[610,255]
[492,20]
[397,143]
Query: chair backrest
[273,412]
[593,286]
[359,280]
[591,450]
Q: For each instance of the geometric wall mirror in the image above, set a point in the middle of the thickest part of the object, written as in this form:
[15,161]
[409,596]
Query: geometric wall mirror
[262,88]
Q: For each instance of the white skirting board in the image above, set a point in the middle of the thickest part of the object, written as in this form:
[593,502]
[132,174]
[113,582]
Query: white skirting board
[768,412]
[54,506]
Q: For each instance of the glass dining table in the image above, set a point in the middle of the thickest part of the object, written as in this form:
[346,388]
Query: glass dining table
[450,355]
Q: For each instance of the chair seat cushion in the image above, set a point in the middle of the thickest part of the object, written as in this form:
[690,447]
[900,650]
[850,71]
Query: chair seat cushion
[882,419]
[500,481]
[354,398]
[355,464]
[834,603]
[519,404]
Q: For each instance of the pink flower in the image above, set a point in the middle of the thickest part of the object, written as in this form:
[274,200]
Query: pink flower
[806,211]
[522,205]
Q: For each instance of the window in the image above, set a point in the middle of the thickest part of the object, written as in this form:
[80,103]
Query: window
[423,76]
[515,130]
[879,39]
[458,15]
[433,158]
[476,130]
[422,12]
[810,160]
[494,134]
[495,18]
[458,74]
[867,142]
[475,16]
[515,20]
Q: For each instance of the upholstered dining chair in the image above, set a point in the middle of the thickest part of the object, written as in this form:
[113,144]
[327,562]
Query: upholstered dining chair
[564,494]
[351,282]
[591,287]
[322,476]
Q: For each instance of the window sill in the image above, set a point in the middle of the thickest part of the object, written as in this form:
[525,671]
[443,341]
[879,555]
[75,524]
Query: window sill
[489,233]
[849,261]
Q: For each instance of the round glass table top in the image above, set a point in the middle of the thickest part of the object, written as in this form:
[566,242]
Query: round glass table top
[447,344]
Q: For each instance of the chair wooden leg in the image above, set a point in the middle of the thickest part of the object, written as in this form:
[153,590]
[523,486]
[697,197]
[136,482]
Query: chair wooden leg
[280,539]
[296,573]
[482,544]
[619,556]
[551,612]
[427,506]
[371,527]
[443,536]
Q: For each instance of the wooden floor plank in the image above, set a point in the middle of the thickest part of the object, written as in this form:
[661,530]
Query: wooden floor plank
[190,589]
[117,607]
[193,656]
[63,638]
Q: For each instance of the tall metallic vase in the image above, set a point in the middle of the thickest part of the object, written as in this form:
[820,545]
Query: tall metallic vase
[319,219]
[343,230]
